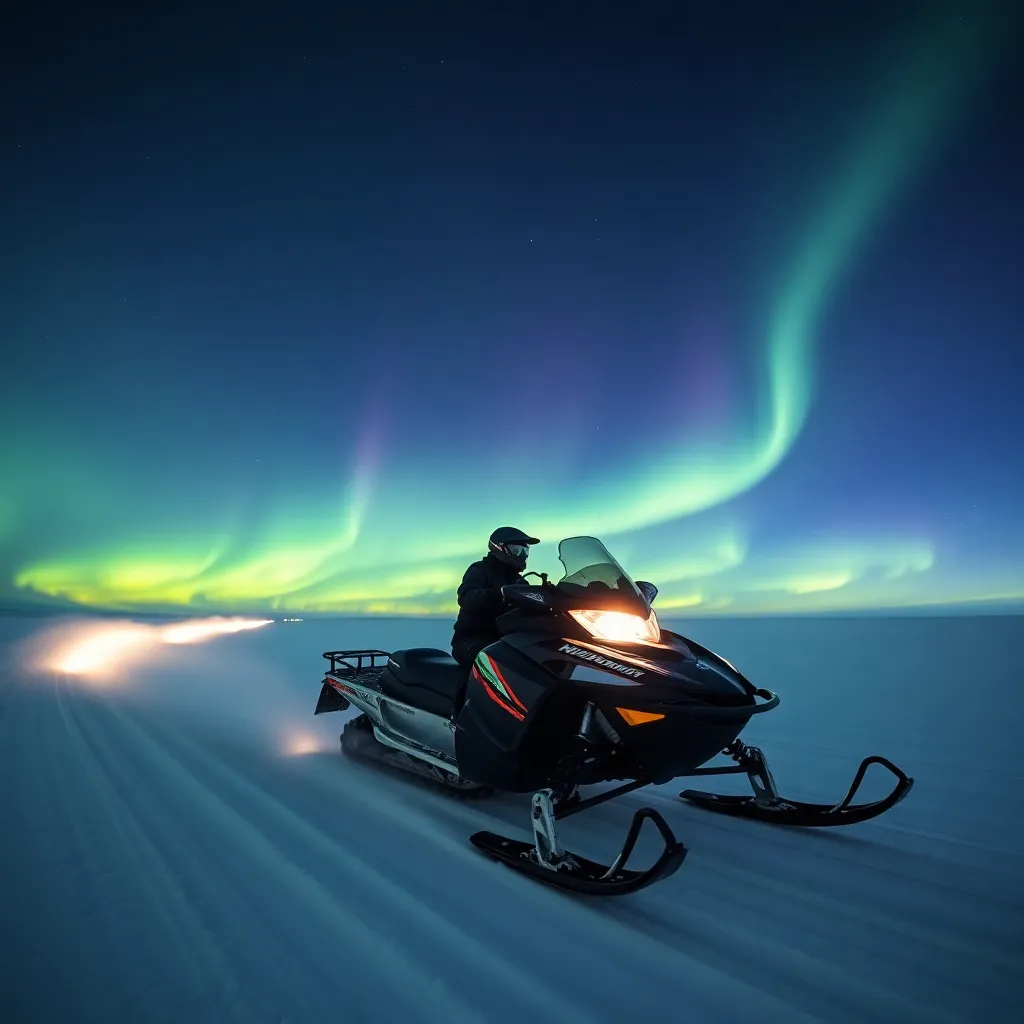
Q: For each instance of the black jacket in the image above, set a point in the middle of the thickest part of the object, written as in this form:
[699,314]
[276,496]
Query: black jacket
[480,600]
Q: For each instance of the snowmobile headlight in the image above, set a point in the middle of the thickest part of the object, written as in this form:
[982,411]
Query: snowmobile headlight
[619,626]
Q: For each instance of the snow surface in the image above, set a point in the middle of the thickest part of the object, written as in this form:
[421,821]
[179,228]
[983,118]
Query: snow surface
[187,844]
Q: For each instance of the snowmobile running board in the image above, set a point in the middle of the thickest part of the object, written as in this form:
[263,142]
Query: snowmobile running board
[767,805]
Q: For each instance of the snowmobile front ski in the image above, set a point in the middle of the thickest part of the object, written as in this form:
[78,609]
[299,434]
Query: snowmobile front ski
[767,805]
[548,861]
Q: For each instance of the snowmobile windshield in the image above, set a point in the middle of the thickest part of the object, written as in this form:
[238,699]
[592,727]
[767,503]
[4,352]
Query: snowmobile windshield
[591,569]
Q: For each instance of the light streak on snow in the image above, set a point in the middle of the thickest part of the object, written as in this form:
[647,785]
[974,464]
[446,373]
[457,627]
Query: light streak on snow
[89,651]
[100,651]
[204,629]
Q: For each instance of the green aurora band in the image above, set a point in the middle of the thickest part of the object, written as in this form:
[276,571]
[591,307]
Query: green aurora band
[349,561]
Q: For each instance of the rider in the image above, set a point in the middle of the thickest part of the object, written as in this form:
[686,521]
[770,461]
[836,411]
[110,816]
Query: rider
[480,600]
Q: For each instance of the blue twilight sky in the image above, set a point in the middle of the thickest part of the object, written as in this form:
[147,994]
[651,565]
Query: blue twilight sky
[298,305]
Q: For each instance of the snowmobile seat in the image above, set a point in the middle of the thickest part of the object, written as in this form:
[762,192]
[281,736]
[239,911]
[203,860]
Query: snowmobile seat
[425,678]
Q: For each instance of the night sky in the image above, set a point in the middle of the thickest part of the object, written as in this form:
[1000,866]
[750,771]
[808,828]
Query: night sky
[298,305]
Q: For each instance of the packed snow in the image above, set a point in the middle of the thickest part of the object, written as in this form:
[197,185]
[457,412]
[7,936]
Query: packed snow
[183,841]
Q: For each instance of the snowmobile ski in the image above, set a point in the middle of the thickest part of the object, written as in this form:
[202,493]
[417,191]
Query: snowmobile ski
[767,805]
[547,861]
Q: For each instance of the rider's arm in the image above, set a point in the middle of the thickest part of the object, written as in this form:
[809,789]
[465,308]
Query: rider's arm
[475,595]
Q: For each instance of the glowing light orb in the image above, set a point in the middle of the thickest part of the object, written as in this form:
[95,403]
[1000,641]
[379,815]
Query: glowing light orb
[298,744]
[91,650]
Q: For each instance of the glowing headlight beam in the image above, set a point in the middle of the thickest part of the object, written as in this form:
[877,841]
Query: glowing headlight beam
[604,625]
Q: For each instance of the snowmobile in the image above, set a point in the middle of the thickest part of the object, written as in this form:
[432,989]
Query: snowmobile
[584,687]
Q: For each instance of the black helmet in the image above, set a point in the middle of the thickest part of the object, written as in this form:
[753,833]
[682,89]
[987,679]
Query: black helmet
[512,546]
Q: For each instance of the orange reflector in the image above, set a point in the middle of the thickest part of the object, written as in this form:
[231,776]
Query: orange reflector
[637,717]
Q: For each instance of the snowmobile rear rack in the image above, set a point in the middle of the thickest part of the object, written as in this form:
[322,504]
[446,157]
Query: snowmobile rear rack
[364,665]
[767,805]
[356,662]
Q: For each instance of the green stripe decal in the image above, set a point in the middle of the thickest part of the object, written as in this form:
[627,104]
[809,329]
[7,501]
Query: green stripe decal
[490,672]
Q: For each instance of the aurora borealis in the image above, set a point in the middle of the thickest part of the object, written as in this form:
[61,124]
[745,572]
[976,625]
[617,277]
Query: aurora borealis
[300,312]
